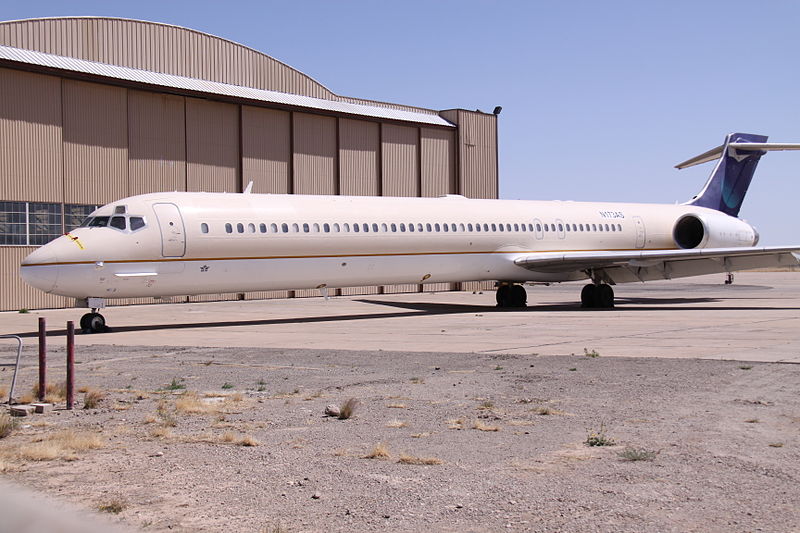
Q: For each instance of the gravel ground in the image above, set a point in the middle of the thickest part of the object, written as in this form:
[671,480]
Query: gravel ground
[506,436]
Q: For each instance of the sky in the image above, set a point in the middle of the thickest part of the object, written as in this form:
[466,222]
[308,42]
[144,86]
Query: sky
[600,99]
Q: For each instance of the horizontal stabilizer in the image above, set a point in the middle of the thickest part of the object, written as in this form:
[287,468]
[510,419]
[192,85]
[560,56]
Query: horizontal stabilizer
[715,153]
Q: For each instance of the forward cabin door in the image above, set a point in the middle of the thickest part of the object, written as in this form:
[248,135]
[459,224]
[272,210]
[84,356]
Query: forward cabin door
[640,232]
[173,233]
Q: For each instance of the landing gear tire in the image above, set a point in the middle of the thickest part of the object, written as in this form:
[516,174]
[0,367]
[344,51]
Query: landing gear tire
[597,296]
[93,323]
[511,296]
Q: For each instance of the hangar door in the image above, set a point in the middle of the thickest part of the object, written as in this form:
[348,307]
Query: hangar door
[173,234]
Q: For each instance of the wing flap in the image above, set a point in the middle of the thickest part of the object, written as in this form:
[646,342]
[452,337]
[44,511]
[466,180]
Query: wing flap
[645,265]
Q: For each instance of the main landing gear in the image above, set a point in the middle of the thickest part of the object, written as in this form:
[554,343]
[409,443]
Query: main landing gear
[93,322]
[511,295]
[597,296]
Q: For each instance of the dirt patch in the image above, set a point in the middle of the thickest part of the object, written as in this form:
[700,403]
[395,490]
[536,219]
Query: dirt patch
[210,439]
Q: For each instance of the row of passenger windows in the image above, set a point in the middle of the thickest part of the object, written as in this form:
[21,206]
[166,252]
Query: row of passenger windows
[419,227]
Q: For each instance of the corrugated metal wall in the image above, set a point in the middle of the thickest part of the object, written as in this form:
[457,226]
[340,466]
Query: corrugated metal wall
[95,142]
[315,166]
[157,142]
[266,149]
[212,146]
[478,154]
[30,137]
[160,48]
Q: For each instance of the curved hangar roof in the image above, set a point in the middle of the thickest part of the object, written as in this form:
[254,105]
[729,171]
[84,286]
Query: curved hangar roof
[182,59]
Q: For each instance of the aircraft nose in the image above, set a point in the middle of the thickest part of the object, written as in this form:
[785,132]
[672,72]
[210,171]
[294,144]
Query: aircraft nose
[40,270]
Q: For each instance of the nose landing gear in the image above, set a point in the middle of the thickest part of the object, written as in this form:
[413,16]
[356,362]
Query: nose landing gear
[597,296]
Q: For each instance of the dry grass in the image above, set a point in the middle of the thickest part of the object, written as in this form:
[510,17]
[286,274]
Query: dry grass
[347,409]
[84,389]
[396,406]
[546,411]
[420,435]
[6,424]
[114,506]
[380,451]
[92,398]
[480,426]
[61,445]
[417,381]
[455,423]
[486,406]
[396,424]
[3,393]
[161,432]
[53,392]
[28,397]
[412,460]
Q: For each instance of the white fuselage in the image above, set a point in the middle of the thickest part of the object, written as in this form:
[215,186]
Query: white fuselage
[202,243]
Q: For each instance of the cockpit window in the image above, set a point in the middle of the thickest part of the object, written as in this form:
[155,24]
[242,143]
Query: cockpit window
[118,222]
[137,223]
[99,222]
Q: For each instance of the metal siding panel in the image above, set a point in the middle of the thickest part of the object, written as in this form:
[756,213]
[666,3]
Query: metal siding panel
[400,171]
[157,142]
[30,137]
[266,295]
[266,149]
[438,287]
[223,297]
[359,146]
[15,294]
[212,146]
[354,291]
[438,162]
[478,136]
[95,142]
[399,289]
[314,155]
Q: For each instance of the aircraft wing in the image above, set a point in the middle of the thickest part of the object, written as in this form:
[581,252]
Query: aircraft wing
[647,265]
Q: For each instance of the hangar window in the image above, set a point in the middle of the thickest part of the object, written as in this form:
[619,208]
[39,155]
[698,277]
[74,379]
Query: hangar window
[262,228]
[74,214]
[228,227]
[137,223]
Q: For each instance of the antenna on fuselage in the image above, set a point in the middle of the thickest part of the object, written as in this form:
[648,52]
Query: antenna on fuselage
[248,189]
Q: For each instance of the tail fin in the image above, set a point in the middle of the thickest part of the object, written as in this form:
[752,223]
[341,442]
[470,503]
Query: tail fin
[728,183]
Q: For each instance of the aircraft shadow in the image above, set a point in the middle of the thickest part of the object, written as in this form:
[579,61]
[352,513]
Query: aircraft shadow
[429,308]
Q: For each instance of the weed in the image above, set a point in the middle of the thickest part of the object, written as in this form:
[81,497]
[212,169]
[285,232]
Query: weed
[546,411]
[480,426]
[592,354]
[347,408]
[175,384]
[314,396]
[486,405]
[380,451]
[161,432]
[417,381]
[776,445]
[573,369]
[53,392]
[247,440]
[166,416]
[420,435]
[396,424]
[745,367]
[455,423]
[752,421]
[637,454]
[83,389]
[24,311]
[396,406]
[227,385]
[498,367]
[113,506]
[7,424]
[92,398]
[274,528]
[599,437]
[411,460]
[3,392]
[61,445]
[261,385]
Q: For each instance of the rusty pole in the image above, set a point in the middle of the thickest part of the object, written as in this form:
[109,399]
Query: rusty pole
[42,358]
[70,363]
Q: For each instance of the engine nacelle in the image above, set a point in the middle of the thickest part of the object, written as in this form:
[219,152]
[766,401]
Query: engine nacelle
[701,230]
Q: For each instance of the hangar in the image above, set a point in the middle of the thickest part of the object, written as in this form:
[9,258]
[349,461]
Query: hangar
[96,109]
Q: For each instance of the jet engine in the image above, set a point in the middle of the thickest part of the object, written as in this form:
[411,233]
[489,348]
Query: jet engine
[703,230]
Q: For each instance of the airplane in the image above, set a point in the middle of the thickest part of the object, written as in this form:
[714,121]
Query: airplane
[189,243]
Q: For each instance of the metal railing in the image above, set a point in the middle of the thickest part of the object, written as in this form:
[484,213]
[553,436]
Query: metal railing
[16,365]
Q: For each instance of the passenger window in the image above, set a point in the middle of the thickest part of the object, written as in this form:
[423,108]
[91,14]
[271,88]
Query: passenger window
[494,227]
[137,223]
[552,227]
[580,227]
[568,228]
[500,226]
[228,227]
[326,227]
[461,227]
[335,227]
[315,228]
[365,227]
[118,223]
[428,227]
[606,227]
[346,227]
[613,227]
[375,227]
[203,227]
[437,227]
[411,227]
[508,227]
[445,227]
[600,227]
[486,227]
[251,228]
[273,228]
[285,227]
[619,227]
[394,228]
[240,227]
[306,229]
[384,227]
[530,227]
[478,228]
[469,227]
[560,227]
[356,228]
[262,228]
[295,228]
[402,228]
[538,227]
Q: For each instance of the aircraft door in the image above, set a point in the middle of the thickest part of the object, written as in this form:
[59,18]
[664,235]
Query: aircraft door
[173,233]
[641,234]
[537,227]
[560,228]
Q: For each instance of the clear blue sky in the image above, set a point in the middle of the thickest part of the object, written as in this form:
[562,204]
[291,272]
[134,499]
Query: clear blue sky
[600,99]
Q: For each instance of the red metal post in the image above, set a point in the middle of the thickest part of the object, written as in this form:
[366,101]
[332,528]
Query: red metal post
[70,363]
[42,358]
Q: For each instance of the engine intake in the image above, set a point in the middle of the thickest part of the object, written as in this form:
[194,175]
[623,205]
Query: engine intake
[689,232]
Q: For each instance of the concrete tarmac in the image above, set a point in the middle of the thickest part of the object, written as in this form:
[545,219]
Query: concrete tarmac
[755,319]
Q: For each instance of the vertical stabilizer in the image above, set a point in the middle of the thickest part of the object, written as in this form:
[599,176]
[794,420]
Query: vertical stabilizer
[728,183]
